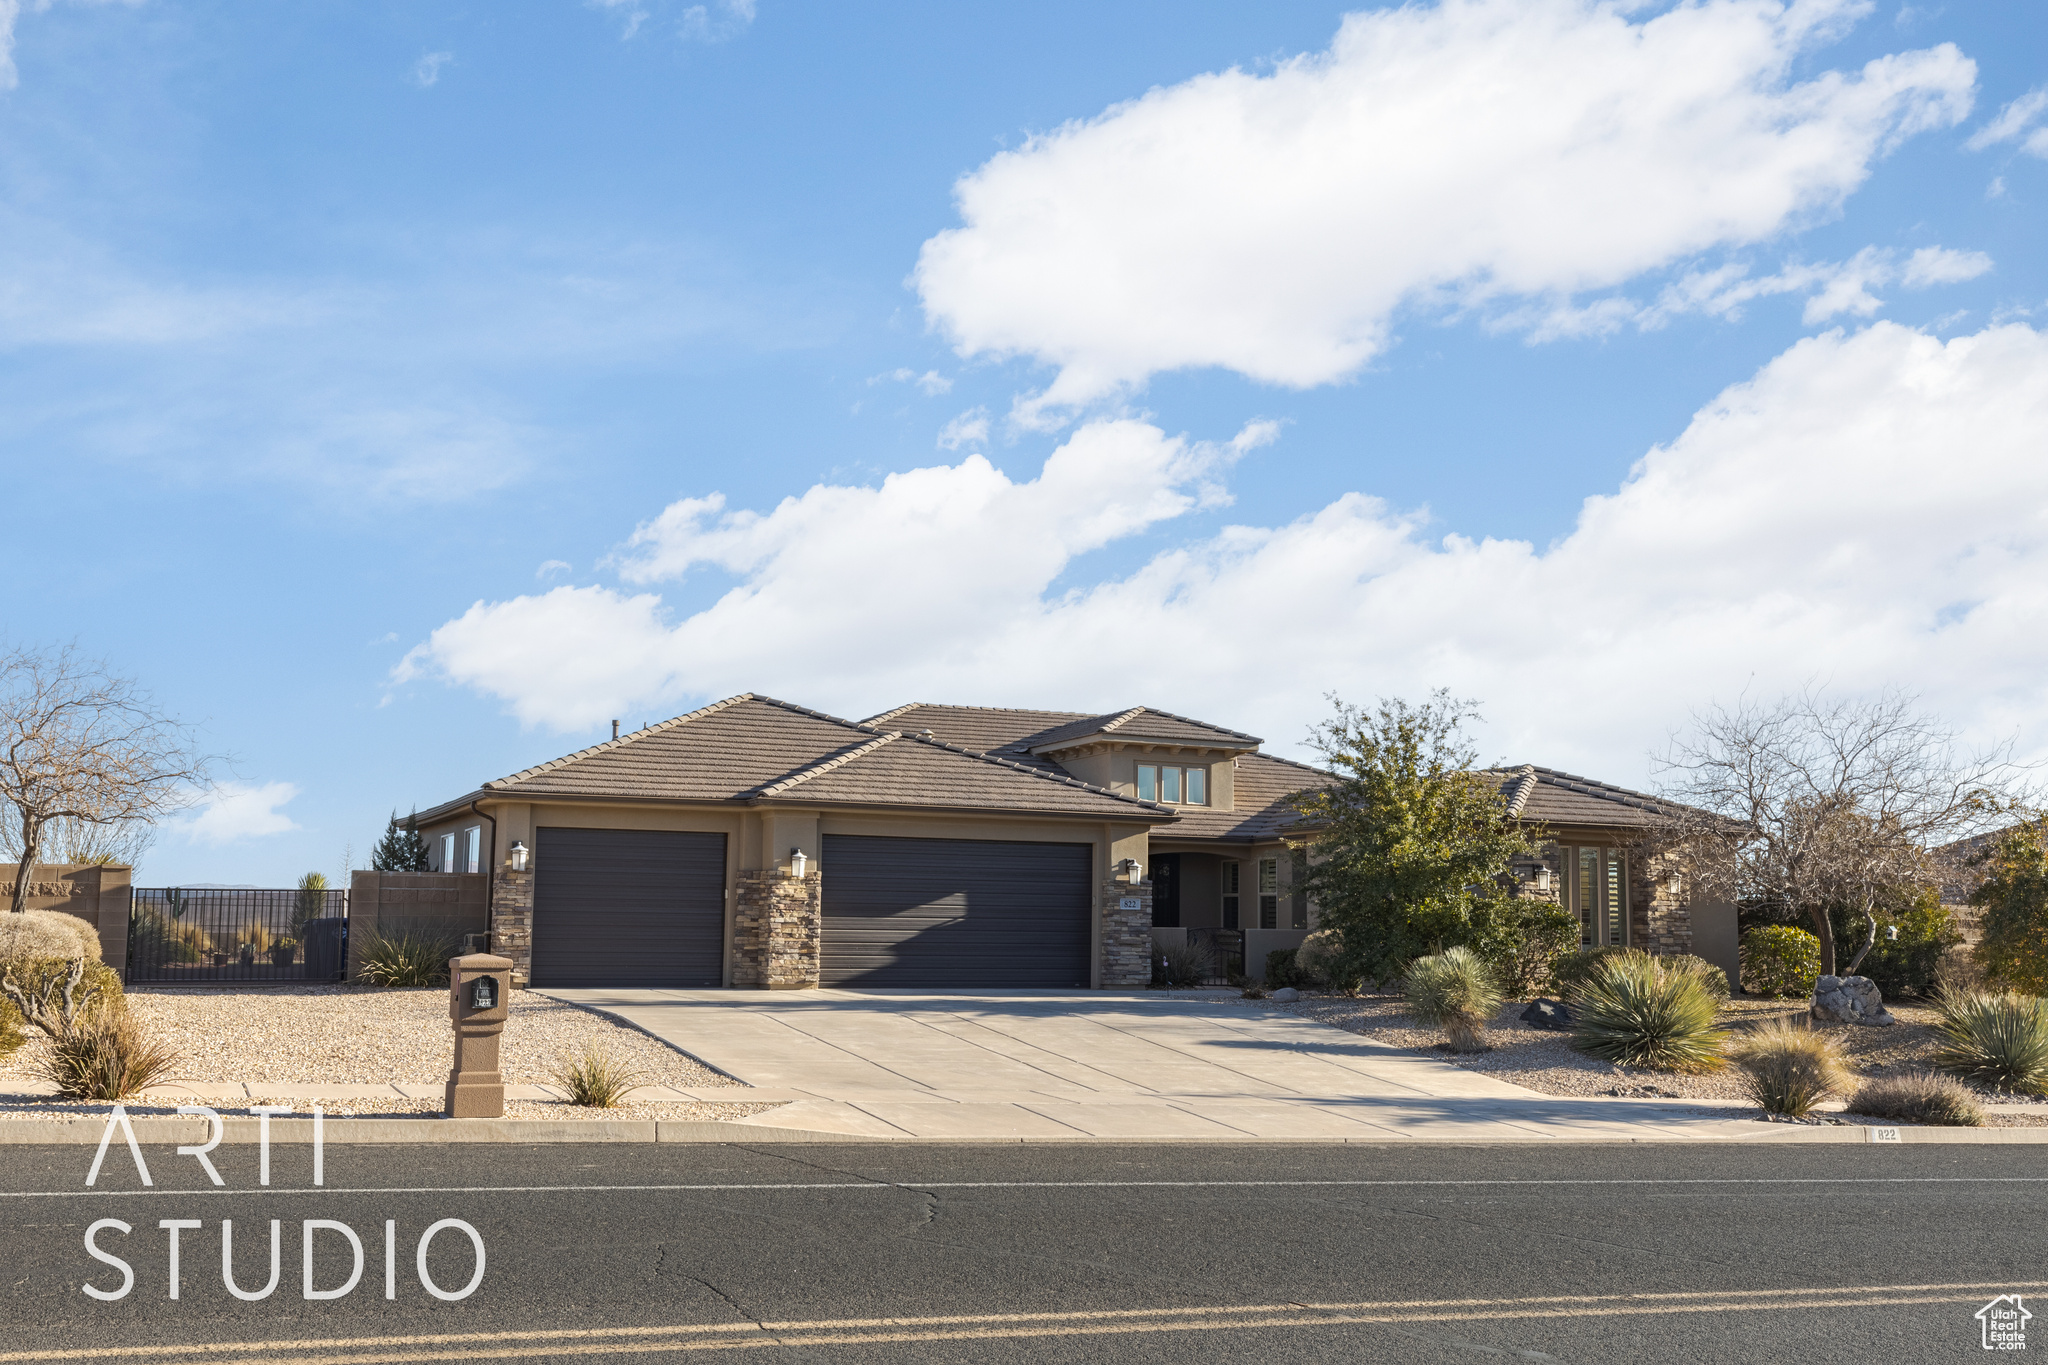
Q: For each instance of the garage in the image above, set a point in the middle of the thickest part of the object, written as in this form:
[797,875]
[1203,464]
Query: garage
[628,907]
[954,912]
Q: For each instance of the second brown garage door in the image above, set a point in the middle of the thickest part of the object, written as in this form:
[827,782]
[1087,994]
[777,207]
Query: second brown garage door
[955,913]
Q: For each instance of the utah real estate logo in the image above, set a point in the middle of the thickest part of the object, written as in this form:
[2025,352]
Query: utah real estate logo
[2005,1321]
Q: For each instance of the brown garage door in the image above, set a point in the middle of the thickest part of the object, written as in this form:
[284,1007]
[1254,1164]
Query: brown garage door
[628,907]
[955,912]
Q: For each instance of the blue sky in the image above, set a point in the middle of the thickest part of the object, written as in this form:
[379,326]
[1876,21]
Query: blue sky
[354,353]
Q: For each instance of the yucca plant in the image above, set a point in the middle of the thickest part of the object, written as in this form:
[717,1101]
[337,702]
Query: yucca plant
[1994,1040]
[1788,1068]
[1183,964]
[1634,1010]
[404,954]
[1919,1097]
[595,1076]
[1456,992]
[106,1056]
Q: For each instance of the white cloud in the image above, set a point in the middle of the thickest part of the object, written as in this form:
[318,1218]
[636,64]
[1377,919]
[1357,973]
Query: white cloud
[241,810]
[427,70]
[550,567]
[931,383]
[2013,120]
[1467,154]
[1868,509]
[970,428]
[10,15]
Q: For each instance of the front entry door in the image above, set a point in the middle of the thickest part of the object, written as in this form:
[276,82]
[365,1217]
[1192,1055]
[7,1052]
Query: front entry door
[1166,891]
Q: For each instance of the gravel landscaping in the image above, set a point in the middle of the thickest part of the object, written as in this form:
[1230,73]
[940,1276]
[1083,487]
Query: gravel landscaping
[1544,1061]
[357,1035]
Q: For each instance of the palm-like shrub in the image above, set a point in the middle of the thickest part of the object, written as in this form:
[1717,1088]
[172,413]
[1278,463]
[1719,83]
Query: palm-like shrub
[1637,1010]
[1778,959]
[1918,1097]
[1454,991]
[107,1056]
[595,1077]
[1788,1068]
[405,954]
[1995,1040]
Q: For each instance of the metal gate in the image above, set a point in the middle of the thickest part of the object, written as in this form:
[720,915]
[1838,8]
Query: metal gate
[191,935]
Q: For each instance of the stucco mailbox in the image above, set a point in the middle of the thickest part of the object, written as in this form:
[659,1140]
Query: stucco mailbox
[479,994]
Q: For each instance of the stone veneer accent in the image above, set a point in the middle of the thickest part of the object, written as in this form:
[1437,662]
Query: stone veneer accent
[512,921]
[1126,936]
[776,930]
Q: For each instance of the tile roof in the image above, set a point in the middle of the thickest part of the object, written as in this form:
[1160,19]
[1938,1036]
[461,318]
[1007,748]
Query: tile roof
[1547,796]
[897,769]
[1142,723]
[983,729]
[720,753]
[1263,785]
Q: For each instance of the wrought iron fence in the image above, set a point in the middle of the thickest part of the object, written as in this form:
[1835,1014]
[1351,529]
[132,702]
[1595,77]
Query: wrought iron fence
[207,934]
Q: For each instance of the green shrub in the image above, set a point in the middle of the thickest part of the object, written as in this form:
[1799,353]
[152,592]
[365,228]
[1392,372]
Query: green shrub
[1572,970]
[55,994]
[2014,901]
[12,1034]
[595,1077]
[1780,960]
[159,938]
[1638,1010]
[107,1056]
[1455,991]
[1788,1068]
[1281,971]
[1918,1097]
[1320,959]
[1182,964]
[1911,963]
[403,954]
[1995,1040]
[1710,977]
[1520,940]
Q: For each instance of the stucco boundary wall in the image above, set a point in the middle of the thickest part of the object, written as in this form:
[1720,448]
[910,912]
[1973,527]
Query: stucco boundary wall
[455,901]
[97,894]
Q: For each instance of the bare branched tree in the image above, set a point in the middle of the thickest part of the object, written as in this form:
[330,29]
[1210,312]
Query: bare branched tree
[1815,802]
[86,759]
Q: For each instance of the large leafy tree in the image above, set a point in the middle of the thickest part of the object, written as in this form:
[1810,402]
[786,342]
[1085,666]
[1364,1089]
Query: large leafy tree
[401,849]
[2014,899]
[1411,846]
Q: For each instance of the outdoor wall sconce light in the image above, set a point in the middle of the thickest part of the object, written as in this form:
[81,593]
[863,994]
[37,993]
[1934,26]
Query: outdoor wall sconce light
[1891,933]
[1131,868]
[797,863]
[518,852]
[1677,883]
[1542,878]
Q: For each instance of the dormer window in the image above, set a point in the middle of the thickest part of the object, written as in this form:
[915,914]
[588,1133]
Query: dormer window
[1176,786]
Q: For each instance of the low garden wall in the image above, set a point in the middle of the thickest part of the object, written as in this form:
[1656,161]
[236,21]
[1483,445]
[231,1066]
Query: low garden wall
[96,894]
[450,902]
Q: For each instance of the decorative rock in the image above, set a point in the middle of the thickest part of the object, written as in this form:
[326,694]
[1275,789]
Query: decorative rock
[1548,1014]
[1285,995]
[1849,1000]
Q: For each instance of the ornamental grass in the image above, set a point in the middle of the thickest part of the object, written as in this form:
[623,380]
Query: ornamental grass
[1788,1068]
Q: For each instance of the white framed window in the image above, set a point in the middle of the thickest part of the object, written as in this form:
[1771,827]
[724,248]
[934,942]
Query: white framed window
[1173,784]
[1231,873]
[473,849]
[1598,894]
[447,854]
[1269,893]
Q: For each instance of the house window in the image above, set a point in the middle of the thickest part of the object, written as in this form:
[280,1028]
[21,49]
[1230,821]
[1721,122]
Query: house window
[1297,871]
[447,854]
[1230,888]
[1599,894]
[473,851]
[1269,893]
[1174,785]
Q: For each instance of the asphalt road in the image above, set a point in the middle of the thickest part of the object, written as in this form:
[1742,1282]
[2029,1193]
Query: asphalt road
[847,1253]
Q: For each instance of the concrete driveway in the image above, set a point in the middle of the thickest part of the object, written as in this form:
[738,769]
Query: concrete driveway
[1022,1065]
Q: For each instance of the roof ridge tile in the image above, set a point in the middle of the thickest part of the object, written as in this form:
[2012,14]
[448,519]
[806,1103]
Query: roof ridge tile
[838,760]
[669,724]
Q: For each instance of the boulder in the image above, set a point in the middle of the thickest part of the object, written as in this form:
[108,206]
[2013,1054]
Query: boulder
[1548,1014]
[1849,1000]
[1285,995]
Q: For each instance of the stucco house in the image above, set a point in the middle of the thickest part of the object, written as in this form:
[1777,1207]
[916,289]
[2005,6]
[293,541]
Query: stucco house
[757,843]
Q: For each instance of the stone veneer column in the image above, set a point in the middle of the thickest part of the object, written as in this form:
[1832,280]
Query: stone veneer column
[776,931]
[1126,936]
[512,921]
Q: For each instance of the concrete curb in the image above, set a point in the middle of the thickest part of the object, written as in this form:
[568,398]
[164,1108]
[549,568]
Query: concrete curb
[87,1130]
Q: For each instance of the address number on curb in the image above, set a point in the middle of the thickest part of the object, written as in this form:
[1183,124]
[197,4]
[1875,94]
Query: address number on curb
[1885,1135]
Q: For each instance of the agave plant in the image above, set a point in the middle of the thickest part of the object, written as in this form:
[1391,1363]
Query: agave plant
[1636,1011]
[1454,991]
[1995,1040]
